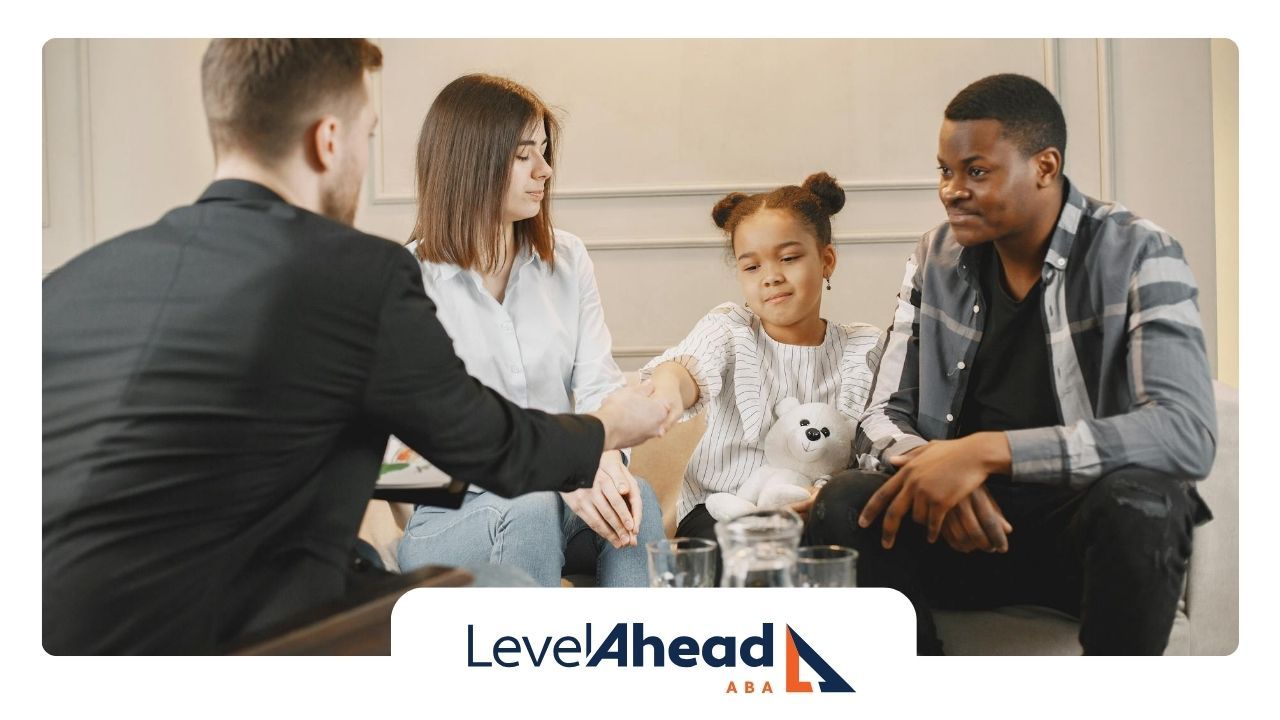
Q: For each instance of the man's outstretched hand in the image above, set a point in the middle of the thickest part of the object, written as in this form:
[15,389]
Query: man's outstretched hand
[631,416]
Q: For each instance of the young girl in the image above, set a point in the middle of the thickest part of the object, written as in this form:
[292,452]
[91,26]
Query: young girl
[740,361]
[520,302]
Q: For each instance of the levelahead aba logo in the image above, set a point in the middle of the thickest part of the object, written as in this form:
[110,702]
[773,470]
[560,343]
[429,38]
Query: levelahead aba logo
[629,645]
[745,649]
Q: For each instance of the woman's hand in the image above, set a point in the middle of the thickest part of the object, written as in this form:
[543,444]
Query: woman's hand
[611,506]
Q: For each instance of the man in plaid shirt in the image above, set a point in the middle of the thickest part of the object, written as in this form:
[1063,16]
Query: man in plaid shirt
[1042,396]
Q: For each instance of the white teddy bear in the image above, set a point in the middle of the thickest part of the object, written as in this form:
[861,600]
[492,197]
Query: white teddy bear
[807,442]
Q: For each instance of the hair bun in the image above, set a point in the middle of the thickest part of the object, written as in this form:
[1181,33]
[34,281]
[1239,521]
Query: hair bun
[828,191]
[723,209]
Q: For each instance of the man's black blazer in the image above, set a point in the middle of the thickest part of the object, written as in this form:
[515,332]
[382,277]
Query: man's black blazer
[218,392]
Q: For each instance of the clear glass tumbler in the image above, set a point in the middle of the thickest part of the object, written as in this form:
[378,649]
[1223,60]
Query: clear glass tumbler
[826,566]
[682,562]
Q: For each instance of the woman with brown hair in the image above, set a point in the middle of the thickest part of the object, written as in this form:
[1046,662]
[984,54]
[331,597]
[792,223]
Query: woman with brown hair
[519,299]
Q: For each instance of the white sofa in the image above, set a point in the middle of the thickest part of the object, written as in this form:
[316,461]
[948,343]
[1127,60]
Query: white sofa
[1207,624]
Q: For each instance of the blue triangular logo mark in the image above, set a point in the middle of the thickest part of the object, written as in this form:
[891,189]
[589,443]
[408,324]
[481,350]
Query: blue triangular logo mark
[831,680]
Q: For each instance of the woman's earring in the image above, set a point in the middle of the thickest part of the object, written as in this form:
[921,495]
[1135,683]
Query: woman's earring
[828,279]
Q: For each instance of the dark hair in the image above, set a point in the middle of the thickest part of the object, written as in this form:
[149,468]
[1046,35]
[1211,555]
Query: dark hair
[1028,113]
[812,203]
[261,94]
[468,142]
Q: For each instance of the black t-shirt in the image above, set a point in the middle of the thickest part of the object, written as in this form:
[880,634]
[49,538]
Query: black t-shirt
[1010,385]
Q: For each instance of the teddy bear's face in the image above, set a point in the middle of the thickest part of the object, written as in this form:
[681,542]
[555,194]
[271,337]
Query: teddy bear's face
[812,438]
[807,437]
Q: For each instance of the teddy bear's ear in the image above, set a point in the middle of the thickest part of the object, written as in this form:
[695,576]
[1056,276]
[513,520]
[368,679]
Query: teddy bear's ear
[785,405]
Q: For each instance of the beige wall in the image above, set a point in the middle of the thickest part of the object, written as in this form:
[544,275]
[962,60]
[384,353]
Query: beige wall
[657,130]
[1226,177]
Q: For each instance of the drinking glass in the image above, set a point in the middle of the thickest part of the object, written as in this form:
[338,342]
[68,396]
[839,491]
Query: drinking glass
[826,566]
[682,562]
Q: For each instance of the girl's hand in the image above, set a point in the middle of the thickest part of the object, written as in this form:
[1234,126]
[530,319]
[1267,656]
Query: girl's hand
[803,507]
[675,408]
[673,385]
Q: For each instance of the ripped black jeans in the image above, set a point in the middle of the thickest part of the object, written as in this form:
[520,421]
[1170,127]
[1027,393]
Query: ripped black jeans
[1114,555]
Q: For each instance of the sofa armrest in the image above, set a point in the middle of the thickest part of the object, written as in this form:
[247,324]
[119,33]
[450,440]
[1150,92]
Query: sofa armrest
[1213,590]
[661,463]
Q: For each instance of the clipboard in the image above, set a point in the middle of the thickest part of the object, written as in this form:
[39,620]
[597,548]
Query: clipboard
[407,477]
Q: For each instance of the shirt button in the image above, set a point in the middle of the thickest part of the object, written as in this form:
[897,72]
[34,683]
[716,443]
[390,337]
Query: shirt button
[950,417]
[515,370]
[976,309]
[960,365]
[1062,262]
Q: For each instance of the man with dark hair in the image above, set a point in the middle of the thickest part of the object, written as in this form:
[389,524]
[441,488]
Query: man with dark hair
[1042,396]
[219,387]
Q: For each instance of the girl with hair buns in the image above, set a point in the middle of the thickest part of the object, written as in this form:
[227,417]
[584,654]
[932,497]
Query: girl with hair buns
[519,299]
[738,362]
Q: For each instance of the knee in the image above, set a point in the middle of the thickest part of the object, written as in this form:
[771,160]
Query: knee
[848,489]
[1137,510]
[647,495]
[532,515]
[833,518]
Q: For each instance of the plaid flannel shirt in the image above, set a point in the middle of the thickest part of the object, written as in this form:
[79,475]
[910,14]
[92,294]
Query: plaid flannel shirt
[1122,326]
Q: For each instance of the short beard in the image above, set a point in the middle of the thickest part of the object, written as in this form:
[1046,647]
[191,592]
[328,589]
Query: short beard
[340,201]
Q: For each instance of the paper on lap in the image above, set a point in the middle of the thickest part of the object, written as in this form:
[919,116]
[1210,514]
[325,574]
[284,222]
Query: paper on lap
[404,468]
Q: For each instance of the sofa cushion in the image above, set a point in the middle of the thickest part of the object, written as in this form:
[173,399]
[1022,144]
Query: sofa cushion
[1028,630]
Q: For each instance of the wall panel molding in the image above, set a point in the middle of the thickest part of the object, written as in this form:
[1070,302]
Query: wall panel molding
[661,191]
[1106,121]
[1052,63]
[85,100]
[638,351]
[712,241]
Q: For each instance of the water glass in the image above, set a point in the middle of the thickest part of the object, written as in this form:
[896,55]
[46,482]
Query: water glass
[826,566]
[682,562]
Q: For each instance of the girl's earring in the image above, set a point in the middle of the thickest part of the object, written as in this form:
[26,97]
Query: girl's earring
[828,279]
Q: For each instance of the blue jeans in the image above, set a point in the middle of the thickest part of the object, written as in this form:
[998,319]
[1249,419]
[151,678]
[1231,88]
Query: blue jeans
[528,532]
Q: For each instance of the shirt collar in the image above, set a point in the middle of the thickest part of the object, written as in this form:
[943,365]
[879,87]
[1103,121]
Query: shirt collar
[1064,234]
[236,189]
[446,271]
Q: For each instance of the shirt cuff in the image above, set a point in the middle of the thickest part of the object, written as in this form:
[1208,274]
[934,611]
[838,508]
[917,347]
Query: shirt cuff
[1037,456]
[905,444]
[587,452]
[708,387]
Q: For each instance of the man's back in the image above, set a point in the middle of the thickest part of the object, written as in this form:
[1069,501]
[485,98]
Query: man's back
[198,374]
[209,432]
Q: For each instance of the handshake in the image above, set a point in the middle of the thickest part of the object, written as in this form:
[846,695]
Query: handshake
[631,416]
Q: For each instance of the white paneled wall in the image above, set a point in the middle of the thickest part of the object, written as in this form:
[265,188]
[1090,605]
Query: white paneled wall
[657,130]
